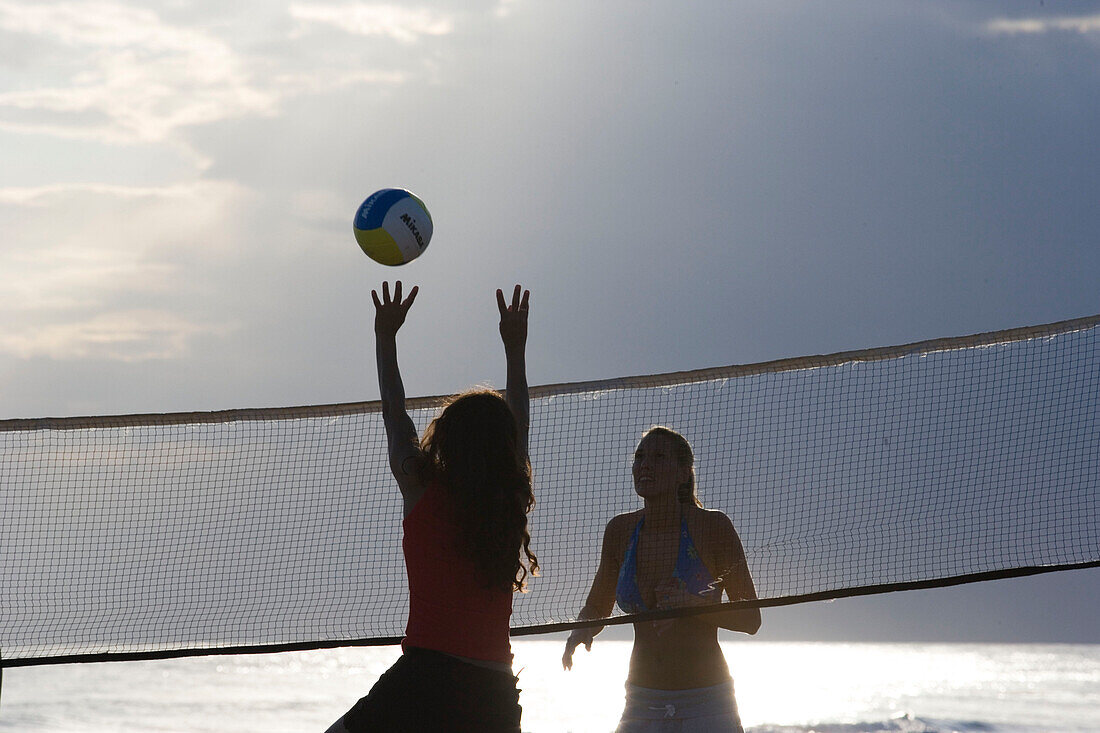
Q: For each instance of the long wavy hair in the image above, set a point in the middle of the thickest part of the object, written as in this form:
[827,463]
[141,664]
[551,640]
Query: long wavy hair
[685,456]
[473,450]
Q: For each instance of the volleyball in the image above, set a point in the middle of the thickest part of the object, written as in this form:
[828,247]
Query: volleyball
[393,226]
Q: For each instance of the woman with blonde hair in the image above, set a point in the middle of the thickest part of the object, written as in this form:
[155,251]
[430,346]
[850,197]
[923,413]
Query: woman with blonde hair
[672,553]
[466,491]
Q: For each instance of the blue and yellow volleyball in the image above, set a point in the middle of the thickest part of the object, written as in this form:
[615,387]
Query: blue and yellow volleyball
[393,226]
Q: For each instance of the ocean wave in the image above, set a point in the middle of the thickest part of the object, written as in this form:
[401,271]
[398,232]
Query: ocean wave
[900,724]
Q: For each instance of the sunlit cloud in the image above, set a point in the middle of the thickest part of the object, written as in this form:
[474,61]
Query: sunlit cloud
[35,196]
[133,335]
[132,76]
[318,206]
[84,264]
[127,75]
[504,8]
[67,277]
[103,24]
[314,83]
[1018,26]
[364,19]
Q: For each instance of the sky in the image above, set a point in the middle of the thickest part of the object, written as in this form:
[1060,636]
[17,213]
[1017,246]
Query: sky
[680,185]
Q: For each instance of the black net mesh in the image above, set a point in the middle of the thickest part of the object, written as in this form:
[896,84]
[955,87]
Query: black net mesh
[178,534]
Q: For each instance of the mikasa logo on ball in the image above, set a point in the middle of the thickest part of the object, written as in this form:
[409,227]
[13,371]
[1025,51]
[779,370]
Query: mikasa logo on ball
[393,226]
[411,224]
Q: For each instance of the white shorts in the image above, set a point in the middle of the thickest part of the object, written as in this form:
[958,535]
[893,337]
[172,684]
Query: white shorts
[699,710]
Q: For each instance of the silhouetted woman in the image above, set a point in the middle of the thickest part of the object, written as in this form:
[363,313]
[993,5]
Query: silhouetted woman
[670,554]
[466,488]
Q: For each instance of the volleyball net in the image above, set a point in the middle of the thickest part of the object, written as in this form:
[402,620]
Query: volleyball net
[152,536]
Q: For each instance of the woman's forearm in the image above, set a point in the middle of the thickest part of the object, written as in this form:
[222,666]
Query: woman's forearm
[401,435]
[390,387]
[745,620]
[516,392]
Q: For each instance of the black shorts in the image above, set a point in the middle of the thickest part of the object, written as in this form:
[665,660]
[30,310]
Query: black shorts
[427,692]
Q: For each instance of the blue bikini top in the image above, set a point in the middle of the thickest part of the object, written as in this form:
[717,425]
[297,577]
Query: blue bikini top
[690,572]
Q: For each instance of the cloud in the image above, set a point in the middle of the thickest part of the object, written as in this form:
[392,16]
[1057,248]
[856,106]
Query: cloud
[394,21]
[1018,26]
[129,336]
[65,277]
[36,196]
[318,205]
[139,77]
[504,8]
[102,24]
[125,75]
[294,83]
[109,271]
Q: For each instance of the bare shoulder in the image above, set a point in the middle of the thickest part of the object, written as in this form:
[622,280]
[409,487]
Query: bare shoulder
[621,525]
[615,536]
[714,533]
[622,522]
[712,521]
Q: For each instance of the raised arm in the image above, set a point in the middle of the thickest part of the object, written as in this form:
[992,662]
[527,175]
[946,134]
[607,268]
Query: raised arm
[601,598]
[406,459]
[513,332]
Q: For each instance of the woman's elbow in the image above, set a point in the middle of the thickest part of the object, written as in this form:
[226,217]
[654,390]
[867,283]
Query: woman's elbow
[746,621]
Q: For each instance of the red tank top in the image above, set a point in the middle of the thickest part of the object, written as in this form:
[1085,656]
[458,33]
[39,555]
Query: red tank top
[450,609]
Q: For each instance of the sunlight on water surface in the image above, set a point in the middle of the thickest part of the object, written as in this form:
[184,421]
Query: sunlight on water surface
[780,686]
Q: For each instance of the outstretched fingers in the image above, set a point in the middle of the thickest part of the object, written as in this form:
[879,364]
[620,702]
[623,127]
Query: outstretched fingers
[519,302]
[389,313]
[396,299]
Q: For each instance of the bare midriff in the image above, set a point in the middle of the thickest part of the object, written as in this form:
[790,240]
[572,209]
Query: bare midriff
[677,654]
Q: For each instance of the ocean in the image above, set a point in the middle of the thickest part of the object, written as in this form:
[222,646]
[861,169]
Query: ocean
[781,688]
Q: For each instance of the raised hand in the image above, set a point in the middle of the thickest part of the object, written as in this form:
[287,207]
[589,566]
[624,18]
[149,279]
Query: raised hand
[390,314]
[513,318]
[672,594]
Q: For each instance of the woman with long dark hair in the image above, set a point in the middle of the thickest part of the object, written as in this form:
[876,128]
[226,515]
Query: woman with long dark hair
[466,488]
[672,553]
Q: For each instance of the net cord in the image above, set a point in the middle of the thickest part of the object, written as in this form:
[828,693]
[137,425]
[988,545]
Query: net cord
[648,380]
